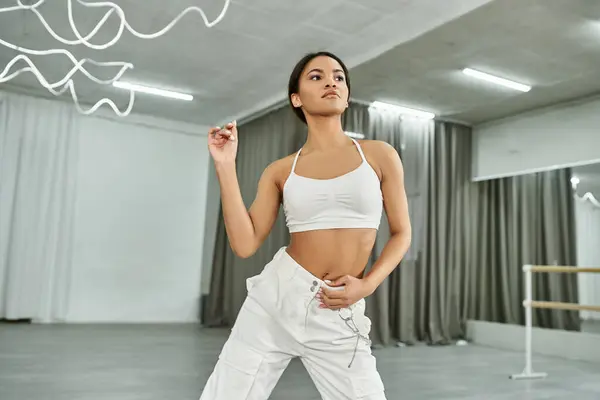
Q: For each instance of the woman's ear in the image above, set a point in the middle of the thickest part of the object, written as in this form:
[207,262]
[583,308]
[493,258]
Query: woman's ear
[296,100]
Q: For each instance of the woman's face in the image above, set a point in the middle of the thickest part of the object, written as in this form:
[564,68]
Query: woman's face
[322,88]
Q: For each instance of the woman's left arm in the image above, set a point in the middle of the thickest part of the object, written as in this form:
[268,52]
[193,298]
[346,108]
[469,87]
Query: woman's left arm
[396,208]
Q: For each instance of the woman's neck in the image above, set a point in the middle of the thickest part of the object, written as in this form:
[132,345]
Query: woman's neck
[325,133]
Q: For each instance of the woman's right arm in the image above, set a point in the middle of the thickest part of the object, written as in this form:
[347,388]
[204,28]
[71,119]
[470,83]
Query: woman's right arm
[245,229]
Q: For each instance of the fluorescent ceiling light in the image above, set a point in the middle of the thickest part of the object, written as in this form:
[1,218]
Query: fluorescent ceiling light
[355,135]
[496,80]
[403,110]
[151,90]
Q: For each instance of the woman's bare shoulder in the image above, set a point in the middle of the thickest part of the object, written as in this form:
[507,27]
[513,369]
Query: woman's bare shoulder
[377,148]
[283,164]
[381,155]
[378,151]
[280,169]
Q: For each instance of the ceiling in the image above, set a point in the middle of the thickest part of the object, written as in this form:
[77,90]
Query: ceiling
[553,45]
[239,66]
[408,52]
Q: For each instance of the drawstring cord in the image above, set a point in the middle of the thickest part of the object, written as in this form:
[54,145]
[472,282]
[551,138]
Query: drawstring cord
[347,320]
[355,330]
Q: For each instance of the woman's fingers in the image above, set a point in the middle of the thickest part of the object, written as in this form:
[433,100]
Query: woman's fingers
[329,302]
[332,304]
[220,135]
[224,134]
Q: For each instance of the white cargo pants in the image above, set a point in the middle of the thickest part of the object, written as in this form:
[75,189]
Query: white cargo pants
[281,319]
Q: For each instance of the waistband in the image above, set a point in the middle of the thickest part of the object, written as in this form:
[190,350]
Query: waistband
[295,280]
[288,269]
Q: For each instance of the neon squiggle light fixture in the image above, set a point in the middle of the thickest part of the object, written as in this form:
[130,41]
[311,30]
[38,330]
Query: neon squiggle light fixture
[588,197]
[67,83]
[124,24]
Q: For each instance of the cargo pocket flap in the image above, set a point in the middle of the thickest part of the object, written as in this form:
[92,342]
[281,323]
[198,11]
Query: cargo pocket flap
[240,356]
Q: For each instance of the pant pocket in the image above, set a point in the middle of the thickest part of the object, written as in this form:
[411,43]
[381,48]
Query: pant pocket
[256,280]
[252,282]
[239,367]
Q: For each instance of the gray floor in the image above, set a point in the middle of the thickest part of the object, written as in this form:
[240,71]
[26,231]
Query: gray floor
[590,326]
[150,362]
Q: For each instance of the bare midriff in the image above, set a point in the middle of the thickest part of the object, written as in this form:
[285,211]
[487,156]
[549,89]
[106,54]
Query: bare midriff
[332,253]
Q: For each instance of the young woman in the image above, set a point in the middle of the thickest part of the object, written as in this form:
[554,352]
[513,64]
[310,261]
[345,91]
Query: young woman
[309,300]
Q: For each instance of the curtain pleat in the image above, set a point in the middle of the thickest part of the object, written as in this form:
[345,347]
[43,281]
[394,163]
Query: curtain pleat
[38,174]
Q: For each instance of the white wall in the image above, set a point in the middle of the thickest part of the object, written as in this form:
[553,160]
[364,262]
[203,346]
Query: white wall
[139,221]
[103,217]
[587,218]
[545,139]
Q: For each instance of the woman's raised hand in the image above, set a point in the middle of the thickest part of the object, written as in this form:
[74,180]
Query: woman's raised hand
[223,143]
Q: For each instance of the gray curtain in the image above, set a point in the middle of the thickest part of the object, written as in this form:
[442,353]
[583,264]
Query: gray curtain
[393,306]
[527,219]
[449,231]
[469,239]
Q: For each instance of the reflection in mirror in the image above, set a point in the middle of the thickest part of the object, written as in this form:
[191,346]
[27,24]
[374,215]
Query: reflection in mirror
[586,187]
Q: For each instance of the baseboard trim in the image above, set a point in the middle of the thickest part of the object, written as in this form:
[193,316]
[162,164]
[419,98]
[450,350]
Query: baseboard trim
[581,346]
[15,321]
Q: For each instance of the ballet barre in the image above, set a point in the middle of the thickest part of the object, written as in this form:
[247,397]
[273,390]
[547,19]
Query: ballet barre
[530,304]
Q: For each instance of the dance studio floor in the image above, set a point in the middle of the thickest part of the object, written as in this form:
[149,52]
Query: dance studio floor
[158,362]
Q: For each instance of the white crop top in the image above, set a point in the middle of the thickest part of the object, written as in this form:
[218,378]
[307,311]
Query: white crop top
[352,200]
